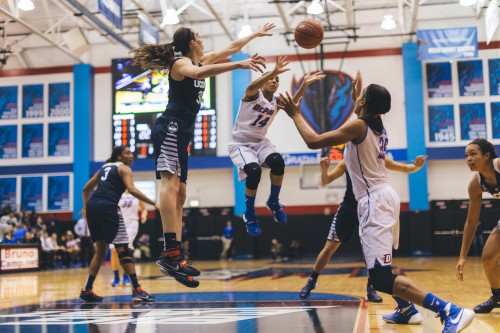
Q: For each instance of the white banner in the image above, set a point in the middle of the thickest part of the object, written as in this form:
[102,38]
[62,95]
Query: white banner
[17,258]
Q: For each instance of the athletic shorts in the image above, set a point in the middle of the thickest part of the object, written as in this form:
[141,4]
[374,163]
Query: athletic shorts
[243,153]
[105,222]
[345,222]
[132,227]
[171,136]
[379,225]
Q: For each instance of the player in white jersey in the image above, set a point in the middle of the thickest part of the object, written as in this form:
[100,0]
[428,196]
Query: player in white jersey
[250,150]
[378,204]
[481,157]
[130,207]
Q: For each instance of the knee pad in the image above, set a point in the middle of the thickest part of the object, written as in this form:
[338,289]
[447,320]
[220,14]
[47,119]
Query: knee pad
[253,171]
[382,279]
[124,254]
[277,164]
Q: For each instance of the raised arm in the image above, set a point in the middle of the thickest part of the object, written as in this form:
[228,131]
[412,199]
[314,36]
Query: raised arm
[416,165]
[252,91]
[329,176]
[475,199]
[128,181]
[306,82]
[87,189]
[235,46]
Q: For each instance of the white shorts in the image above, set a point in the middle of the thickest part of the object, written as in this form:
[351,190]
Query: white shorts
[132,230]
[379,225]
[243,153]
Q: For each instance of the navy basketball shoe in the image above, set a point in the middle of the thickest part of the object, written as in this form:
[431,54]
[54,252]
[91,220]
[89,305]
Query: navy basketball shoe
[408,315]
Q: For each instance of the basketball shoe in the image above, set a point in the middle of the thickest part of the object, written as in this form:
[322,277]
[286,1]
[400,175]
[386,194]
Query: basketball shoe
[408,315]
[140,295]
[277,209]
[455,318]
[251,223]
[89,296]
[488,306]
[172,263]
[306,291]
[371,295]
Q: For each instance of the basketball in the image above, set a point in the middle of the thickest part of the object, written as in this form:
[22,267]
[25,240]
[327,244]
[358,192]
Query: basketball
[308,34]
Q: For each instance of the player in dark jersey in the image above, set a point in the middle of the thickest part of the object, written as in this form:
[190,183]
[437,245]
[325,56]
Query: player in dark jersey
[171,132]
[105,220]
[481,157]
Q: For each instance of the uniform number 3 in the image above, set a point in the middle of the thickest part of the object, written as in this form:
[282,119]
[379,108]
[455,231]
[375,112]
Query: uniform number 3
[260,122]
[106,171]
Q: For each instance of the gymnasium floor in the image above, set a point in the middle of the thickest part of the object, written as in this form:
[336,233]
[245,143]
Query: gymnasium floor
[237,296]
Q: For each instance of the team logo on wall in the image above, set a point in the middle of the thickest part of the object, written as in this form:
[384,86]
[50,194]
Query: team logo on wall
[327,102]
[173,127]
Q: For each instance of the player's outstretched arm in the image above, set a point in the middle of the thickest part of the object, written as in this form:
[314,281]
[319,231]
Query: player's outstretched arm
[416,165]
[236,45]
[306,82]
[252,91]
[329,176]
[128,181]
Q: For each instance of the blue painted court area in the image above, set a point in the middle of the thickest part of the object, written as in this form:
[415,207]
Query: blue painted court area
[189,312]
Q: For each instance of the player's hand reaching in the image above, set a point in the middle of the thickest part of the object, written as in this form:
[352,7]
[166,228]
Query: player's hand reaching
[460,269]
[281,63]
[324,163]
[313,77]
[286,103]
[419,161]
[254,63]
[356,87]
[263,31]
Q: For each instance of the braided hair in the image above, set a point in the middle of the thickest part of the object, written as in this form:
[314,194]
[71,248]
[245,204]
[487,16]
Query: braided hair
[378,102]
[160,56]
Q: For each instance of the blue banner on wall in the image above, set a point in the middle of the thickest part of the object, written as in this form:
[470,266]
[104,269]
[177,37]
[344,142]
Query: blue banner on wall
[439,79]
[8,102]
[33,101]
[8,141]
[470,78]
[112,9]
[58,139]
[495,120]
[473,121]
[148,34]
[58,193]
[31,193]
[441,123]
[494,74]
[453,43]
[59,100]
[8,192]
[32,140]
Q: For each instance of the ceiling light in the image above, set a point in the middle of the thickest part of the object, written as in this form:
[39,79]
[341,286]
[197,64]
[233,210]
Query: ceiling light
[468,2]
[170,17]
[388,23]
[25,5]
[315,8]
[245,31]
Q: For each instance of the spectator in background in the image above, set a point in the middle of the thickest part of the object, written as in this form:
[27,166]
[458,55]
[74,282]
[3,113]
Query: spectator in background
[48,250]
[4,228]
[143,245]
[72,247]
[227,240]
[10,219]
[53,225]
[6,210]
[295,249]
[59,251]
[19,232]
[86,250]
[276,250]
[9,238]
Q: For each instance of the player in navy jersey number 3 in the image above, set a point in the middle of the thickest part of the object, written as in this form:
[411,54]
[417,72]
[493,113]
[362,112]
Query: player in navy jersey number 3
[188,66]
[105,219]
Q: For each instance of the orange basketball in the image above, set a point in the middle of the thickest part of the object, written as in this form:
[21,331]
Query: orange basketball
[308,34]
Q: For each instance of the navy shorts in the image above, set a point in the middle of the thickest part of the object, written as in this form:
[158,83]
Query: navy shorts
[105,222]
[344,223]
[171,136]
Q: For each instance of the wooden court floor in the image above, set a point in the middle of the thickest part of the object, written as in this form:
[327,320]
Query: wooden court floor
[236,296]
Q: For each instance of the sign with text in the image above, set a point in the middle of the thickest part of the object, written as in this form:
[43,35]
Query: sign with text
[32,95]
[58,193]
[8,192]
[473,121]
[18,258]
[8,102]
[31,193]
[453,43]
[112,9]
[470,78]
[441,123]
[59,105]
[439,79]
[58,139]
[32,140]
[8,141]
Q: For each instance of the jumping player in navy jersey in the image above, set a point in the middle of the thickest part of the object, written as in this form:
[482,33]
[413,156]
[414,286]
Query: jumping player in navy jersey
[378,204]
[188,68]
[481,157]
[105,220]
[250,150]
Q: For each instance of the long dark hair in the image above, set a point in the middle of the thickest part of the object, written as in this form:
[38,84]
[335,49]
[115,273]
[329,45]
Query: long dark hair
[160,56]
[486,147]
[378,102]
[117,151]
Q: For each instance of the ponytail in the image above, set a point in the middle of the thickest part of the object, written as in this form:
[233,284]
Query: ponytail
[378,102]
[117,151]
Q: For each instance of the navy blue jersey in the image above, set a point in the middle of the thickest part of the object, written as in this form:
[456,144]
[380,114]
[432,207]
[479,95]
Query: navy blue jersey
[110,186]
[184,97]
[493,190]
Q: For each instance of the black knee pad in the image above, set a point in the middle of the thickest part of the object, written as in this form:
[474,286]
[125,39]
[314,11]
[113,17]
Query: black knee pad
[253,171]
[382,279]
[277,164]
[124,254]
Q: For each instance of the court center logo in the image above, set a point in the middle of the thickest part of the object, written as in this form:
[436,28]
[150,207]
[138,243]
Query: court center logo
[173,127]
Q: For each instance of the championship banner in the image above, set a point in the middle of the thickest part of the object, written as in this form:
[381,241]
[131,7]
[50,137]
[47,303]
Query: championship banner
[454,43]
[8,102]
[473,121]
[58,193]
[495,120]
[32,101]
[58,139]
[8,192]
[441,123]
[8,141]
[31,193]
[470,78]
[112,10]
[439,79]
[59,100]
[32,140]
[148,34]
[494,74]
